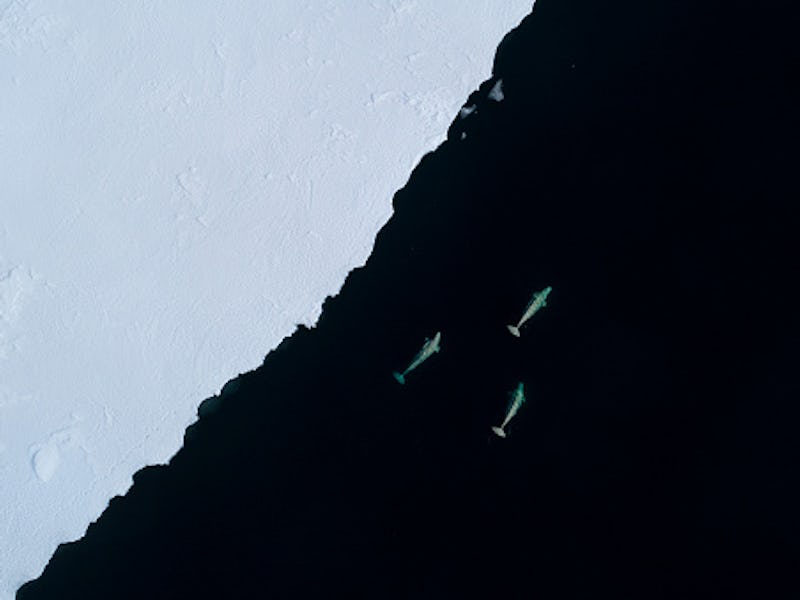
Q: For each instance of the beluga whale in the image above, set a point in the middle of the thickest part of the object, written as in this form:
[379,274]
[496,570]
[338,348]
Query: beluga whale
[538,301]
[428,348]
[517,400]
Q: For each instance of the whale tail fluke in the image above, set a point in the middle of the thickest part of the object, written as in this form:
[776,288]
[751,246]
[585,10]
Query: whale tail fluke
[401,379]
[514,330]
[499,431]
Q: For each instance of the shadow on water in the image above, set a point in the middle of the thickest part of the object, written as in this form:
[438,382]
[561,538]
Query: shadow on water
[640,165]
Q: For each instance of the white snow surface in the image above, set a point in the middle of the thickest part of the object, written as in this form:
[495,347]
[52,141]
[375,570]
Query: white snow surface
[181,183]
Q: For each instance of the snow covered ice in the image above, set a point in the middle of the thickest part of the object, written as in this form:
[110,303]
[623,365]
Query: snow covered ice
[181,186]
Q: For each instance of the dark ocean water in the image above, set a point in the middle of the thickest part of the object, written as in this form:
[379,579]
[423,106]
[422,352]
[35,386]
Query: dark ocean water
[641,164]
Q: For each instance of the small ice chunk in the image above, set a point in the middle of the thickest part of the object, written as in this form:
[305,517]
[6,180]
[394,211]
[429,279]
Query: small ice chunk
[466,111]
[46,461]
[496,93]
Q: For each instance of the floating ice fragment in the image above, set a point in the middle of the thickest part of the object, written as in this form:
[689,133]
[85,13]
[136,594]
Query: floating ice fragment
[467,111]
[496,93]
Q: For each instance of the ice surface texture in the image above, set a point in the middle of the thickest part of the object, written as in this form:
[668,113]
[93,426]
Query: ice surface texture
[180,187]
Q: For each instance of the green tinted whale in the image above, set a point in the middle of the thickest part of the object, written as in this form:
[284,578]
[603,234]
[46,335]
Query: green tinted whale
[538,301]
[517,400]
[428,348]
